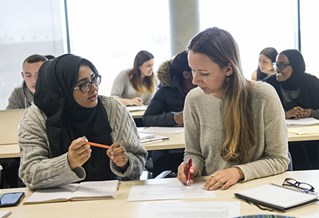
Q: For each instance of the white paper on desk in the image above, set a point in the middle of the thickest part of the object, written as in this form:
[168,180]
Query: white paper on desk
[191,209]
[5,213]
[305,130]
[168,191]
[302,122]
[136,108]
[161,130]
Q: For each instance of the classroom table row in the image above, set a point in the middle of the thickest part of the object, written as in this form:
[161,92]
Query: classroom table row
[175,141]
[120,207]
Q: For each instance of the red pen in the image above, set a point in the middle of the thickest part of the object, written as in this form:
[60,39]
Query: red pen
[188,176]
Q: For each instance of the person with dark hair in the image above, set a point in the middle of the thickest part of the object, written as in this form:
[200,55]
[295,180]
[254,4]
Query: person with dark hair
[166,107]
[267,58]
[231,133]
[49,57]
[136,86]
[66,114]
[298,92]
[22,96]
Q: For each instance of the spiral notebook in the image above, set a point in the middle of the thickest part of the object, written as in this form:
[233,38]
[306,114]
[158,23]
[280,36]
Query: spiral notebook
[277,197]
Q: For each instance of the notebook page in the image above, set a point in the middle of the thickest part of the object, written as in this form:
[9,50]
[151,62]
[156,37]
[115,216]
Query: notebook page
[278,195]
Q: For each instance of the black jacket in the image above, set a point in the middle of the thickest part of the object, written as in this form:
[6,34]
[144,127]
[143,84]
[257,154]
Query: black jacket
[168,99]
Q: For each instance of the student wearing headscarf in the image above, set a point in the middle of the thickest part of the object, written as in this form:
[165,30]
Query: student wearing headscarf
[67,113]
[298,92]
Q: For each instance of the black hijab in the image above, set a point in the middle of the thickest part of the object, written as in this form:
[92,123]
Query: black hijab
[298,69]
[306,84]
[66,119]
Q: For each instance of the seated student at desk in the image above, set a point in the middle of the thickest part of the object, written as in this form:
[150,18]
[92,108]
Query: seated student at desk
[22,96]
[136,86]
[298,92]
[67,113]
[166,107]
[231,132]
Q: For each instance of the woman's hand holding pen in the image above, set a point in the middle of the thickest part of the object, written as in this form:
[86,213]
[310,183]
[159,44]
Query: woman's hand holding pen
[118,155]
[183,173]
[79,152]
[223,179]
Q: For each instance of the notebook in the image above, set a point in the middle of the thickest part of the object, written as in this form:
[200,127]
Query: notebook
[277,197]
[10,120]
[75,192]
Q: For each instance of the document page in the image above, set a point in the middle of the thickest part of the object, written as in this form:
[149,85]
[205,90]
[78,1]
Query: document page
[305,130]
[302,122]
[161,130]
[168,191]
[201,209]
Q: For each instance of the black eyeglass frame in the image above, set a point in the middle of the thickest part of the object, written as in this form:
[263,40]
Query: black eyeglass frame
[294,183]
[86,87]
[281,66]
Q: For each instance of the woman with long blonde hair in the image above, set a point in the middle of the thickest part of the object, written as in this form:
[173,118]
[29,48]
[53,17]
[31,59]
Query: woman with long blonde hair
[234,128]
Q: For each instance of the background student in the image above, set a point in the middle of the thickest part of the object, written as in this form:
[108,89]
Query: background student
[22,96]
[231,132]
[166,107]
[66,114]
[298,92]
[136,86]
[267,58]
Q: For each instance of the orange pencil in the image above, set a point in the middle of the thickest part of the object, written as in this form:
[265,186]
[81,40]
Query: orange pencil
[98,145]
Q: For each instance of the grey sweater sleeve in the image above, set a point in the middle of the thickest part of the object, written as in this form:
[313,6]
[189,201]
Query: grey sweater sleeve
[17,99]
[37,168]
[125,131]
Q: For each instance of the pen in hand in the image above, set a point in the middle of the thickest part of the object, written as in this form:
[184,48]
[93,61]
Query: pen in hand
[98,145]
[188,175]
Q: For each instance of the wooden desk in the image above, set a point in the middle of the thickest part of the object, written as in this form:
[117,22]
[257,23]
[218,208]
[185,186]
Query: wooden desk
[137,114]
[119,207]
[176,141]
[9,151]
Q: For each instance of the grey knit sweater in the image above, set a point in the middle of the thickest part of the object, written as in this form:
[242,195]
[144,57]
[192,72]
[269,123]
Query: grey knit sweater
[39,170]
[204,126]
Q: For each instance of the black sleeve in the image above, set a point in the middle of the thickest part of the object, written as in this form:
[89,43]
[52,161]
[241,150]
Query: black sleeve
[155,114]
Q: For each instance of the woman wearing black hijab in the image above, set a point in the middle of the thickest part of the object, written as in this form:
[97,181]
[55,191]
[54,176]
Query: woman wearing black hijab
[68,112]
[298,92]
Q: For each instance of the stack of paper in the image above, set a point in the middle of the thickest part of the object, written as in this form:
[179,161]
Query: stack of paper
[148,138]
[302,122]
[161,130]
[136,108]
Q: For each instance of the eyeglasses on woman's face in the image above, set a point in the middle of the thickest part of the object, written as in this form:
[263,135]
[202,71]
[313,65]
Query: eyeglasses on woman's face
[87,86]
[281,65]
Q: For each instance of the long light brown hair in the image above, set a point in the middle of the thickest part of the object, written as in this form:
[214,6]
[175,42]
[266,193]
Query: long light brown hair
[239,134]
[148,82]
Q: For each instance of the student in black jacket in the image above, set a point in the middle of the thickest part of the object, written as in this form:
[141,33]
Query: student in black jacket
[166,107]
[298,92]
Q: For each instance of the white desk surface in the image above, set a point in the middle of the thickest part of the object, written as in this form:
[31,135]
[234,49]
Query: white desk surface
[176,141]
[119,207]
